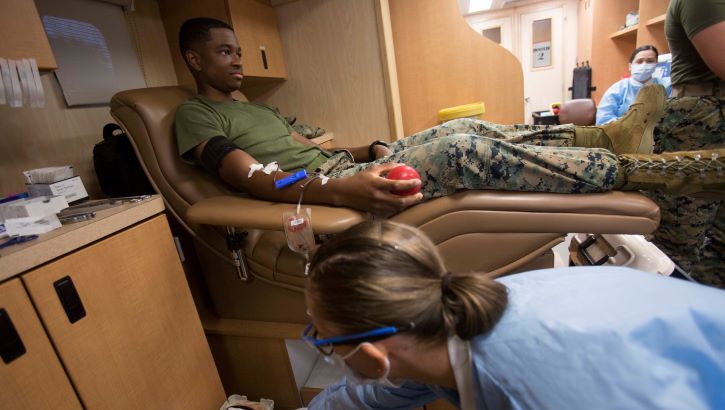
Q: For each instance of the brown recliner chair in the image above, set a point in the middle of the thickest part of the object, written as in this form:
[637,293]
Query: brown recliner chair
[580,111]
[490,231]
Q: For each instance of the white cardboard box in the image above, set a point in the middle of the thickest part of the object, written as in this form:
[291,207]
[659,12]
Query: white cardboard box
[72,189]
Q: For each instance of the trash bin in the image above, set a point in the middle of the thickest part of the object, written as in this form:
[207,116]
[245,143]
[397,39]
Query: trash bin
[545,118]
[474,110]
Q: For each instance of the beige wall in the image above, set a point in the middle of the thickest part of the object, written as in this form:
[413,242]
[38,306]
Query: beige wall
[335,75]
[441,62]
[58,135]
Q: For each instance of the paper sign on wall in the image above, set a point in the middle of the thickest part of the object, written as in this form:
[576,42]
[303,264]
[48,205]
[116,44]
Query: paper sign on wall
[541,54]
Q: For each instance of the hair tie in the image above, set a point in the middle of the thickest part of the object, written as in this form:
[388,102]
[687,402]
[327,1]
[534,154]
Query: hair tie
[446,282]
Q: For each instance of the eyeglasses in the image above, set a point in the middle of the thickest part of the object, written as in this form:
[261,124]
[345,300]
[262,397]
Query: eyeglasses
[327,346]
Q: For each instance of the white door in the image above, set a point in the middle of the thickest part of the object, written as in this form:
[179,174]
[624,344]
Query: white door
[495,29]
[542,55]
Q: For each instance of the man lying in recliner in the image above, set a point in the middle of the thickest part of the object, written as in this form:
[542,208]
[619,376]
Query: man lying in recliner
[230,139]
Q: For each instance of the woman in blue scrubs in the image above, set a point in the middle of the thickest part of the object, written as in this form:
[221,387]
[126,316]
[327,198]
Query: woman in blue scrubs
[407,332]
[619,97]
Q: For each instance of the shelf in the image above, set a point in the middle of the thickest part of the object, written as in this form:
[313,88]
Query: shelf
[625,32]
[656,20]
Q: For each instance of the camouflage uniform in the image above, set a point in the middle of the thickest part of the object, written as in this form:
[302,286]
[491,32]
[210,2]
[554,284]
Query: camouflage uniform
[473,154]
[692,230]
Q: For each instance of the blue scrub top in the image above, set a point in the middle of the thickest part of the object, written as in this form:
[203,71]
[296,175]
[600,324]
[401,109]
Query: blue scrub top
[584,338]
[621,95]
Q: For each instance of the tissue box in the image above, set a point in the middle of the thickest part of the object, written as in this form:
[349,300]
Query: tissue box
[32,207]
[72,189]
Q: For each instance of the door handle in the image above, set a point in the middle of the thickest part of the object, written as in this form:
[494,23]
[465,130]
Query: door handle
[11,346]
[263,51]
[69,298]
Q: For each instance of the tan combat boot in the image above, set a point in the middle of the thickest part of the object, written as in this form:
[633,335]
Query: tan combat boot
[694,173]
[633,132]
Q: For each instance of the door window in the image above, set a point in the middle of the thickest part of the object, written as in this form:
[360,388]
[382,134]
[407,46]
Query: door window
[541,43]
[493,34]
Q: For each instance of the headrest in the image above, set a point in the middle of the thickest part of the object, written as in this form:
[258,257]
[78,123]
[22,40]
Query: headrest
[147,116]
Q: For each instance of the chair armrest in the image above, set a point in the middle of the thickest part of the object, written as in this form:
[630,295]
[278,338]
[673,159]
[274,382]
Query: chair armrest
[249,213]
[466,211]
[532,212]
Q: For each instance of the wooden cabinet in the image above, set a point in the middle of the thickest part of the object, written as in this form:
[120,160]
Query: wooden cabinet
[23,34]
[138,344]
[34,379]
[607,46]
[255,24]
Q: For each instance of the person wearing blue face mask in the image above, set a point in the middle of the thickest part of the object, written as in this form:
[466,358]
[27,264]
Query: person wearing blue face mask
[620,96]
[408,333]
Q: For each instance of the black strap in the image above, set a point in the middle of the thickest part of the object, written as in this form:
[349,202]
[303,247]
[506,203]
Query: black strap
[214,152]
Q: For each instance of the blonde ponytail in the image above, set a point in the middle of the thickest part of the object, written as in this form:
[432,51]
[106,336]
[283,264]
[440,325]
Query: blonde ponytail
[382,273]
[472,303]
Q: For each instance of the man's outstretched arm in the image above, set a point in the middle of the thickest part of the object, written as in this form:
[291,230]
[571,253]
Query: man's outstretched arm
[367,190]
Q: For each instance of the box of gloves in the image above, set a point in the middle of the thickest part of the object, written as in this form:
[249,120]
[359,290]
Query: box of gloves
[55,181]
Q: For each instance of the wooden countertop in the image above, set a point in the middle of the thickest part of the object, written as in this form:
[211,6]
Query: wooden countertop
[17,259]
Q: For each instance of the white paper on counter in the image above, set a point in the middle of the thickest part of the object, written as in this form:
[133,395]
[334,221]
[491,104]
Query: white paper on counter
[33,225]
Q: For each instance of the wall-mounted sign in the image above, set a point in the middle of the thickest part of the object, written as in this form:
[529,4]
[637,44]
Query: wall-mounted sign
[541,56]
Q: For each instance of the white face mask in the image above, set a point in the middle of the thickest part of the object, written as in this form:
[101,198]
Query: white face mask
[643,72]
[356,379]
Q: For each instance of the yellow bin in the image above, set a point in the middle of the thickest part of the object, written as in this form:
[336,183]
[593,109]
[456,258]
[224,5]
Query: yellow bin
[474,110]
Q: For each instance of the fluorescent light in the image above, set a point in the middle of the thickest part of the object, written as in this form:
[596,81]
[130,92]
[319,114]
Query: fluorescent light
[479,5]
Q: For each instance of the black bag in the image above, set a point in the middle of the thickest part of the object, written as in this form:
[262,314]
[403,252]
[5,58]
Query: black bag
[117,168]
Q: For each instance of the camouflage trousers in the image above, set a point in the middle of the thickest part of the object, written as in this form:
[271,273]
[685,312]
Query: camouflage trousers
[473,154]
[692,230]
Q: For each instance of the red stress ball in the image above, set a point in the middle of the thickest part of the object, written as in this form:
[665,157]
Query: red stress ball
[404,172]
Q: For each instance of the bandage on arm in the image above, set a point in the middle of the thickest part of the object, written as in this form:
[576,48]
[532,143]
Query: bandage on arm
[213,152]
[235,168]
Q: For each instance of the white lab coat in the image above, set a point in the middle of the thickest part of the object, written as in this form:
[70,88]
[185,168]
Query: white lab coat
[621,95]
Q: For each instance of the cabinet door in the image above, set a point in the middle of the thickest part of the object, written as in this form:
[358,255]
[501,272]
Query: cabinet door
[140,344]
[34,379]
[255,25]
[23,35]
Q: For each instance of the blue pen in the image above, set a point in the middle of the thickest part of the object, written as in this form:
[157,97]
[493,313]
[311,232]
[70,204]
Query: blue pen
[291,179]
[14,240]
[14,197]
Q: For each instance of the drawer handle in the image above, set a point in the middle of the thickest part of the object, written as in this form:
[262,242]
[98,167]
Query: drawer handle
[69,298]
[263,50]
[11,346]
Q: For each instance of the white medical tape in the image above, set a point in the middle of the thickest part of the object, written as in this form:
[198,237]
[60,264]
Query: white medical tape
[2,88]
[17,96]
[38,84]
[24,83]
[271,167]
[7,87]
[33,92]
[254,168]
[323,179]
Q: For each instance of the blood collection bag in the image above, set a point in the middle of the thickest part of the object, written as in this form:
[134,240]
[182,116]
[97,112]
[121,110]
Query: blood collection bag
[298,230]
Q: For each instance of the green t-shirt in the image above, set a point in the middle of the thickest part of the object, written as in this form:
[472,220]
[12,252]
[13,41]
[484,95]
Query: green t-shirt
[686,18]
[258,130]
